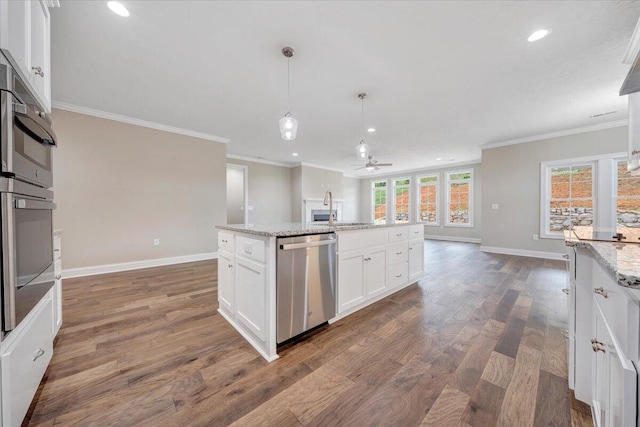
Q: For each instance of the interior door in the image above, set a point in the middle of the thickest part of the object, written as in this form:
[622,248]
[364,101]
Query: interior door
[237,197]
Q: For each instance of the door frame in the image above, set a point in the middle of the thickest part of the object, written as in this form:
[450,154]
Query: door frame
[245,175]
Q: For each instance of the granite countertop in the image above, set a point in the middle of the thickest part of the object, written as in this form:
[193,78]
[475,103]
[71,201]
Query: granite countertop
[621,260]
[299,228]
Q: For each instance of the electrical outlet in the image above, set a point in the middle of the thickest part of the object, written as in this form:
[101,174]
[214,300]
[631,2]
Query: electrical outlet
[156,242]
[535,237]
[495,206]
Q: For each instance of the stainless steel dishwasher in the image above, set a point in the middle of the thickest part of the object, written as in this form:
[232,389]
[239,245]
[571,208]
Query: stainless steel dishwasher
[305,283]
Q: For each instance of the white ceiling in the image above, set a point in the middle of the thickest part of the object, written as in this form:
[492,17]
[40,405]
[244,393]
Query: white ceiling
[443,78]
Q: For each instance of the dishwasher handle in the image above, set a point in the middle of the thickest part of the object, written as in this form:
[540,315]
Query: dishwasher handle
[291,246]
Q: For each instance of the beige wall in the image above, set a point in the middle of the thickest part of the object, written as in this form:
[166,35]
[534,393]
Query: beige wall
[351,195]
[119,186]
[441,230]
[512,180]
[316,181]
[297,207]
[269,192]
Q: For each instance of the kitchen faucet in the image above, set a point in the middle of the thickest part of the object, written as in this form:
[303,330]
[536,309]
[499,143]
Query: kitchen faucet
[329,196]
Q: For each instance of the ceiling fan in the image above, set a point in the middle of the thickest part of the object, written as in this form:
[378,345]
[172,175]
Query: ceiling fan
[373,165]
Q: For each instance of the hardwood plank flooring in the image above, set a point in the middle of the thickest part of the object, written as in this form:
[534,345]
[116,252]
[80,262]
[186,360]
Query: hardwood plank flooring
[475,346]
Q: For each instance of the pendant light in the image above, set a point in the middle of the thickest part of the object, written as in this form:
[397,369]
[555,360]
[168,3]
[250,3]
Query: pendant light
[288,124]
[362,148]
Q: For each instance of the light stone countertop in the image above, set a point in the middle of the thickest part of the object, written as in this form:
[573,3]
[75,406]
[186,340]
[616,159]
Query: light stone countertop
[621,260]
[299,228]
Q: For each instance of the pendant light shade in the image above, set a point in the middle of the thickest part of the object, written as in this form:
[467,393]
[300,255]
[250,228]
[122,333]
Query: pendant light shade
[288,127]
[288,124]
[362,149]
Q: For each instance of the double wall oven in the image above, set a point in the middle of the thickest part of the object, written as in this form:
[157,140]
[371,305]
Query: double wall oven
[26,202]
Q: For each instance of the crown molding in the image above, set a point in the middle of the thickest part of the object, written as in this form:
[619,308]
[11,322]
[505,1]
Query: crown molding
[312,165]
[352,176]
[257,160]
[557,134]
[448,166]
[137,122]
[634,46]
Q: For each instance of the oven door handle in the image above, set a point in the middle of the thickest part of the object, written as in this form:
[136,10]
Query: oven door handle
[20,203]
[32,123]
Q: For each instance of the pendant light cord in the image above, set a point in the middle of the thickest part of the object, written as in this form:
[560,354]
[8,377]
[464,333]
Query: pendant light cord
[288,88]
[362,120]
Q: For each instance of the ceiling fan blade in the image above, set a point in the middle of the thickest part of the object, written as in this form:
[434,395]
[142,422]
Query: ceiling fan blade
[357,169]
[384,164]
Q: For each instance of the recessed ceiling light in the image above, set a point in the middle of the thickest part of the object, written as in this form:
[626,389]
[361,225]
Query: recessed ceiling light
[537,35]
[118,8]
[371,130]
[438,158]
[294,154]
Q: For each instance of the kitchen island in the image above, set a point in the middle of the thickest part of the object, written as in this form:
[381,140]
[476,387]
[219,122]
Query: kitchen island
[603,300]
[373,262]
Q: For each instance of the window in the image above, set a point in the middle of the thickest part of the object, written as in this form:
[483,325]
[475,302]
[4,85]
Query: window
[627,197]
[401,200]
[428,199]
[459,198]
[568,197]
[379,198]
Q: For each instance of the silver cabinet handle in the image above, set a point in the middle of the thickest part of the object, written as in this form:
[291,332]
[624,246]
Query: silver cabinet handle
[601,291]
[565,256]
[566,291]
[59,276]
[398,276]
[597,348]
[399,235]
[230,265]
[56,250]
[398,253]
[594,341]
[38,354]
[367,259]
[410,249]
[38,71]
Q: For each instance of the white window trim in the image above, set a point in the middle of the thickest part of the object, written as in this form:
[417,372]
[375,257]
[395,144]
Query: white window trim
[448,181]
[418,199]
[393,199]
[372,208]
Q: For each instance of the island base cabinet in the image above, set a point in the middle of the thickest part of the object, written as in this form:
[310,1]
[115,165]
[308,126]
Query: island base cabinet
[615,395]
[376,272]
[226,280]
[416,259]
[251,296]
[351,291]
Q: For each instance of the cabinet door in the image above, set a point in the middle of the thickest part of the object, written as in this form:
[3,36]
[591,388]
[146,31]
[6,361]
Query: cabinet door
[251,289]
[615,378]
[39,63]
[14,23]
[416,260]
[226,281]
[57,297]
[351,285]
[376,272]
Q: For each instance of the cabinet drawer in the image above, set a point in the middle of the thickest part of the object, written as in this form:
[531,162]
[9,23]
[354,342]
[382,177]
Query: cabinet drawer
[619,310]
[398,274]
[397,234]
[416,232]
[251,248]
[24,362]
[57,247]
[356,239]
[225,241]
[398,253]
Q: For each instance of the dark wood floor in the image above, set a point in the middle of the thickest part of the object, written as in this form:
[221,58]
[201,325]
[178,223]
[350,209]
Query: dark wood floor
[478,341]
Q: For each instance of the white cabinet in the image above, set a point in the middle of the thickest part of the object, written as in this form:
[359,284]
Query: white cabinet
[615,396]
[351,280]
[226,281]
[26,353]
[25,36]
[376,271]
[416,259]
[56,292]
[251,301]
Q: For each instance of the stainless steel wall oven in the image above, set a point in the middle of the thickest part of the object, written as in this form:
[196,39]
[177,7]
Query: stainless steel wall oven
[26,203]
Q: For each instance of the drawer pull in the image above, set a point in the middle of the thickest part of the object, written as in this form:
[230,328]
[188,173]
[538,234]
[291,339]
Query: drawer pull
[398,276]
[398,253]
[58,276]
[596,348]
[601,291]
[38,355]
[56,250]
[399,235]
[410,249]
[230,265]
[566,291]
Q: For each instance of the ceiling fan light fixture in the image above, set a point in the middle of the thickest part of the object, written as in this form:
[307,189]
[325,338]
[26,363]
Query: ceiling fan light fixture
[288,123]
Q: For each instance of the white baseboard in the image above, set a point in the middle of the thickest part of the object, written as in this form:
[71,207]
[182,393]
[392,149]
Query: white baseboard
[452,238]
[135,265]
[523,252]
